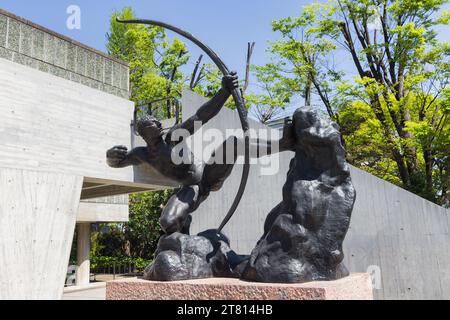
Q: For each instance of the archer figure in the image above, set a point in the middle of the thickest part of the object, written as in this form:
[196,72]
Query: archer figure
[197,179]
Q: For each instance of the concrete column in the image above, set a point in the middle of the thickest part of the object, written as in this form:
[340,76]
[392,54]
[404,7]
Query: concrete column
[37,215]
[83,249]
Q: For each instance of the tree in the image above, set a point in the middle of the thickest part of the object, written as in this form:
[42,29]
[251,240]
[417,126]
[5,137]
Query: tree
[395,111]
[154,61]
[276,92]
[306,57]
[208,81]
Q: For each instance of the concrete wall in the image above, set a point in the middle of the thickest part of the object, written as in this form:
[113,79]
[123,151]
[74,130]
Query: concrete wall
[27,43]
[403,236]
[105,209]
[52,124]
[102,212]
[392,230]
[51,127]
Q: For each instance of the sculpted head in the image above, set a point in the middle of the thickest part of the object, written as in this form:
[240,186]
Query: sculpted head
[149,127]
[308,121]
[305,118]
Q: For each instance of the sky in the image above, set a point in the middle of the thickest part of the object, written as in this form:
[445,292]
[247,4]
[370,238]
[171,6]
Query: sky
[226,25]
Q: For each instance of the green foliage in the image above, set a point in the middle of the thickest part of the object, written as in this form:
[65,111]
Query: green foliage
[108,241]
[138,237]
[302,54]
[210,81]
[394,114]
[143,229]
[276,89]
[365,143]
[96,244]
[154,61]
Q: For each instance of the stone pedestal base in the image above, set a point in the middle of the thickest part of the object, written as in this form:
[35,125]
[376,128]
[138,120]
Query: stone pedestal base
[357,286]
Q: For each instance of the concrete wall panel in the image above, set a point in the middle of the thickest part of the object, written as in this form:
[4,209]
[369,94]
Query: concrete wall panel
[52,124]
[37,221]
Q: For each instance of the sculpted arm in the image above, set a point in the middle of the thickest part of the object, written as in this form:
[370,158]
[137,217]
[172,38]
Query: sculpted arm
[262,147]
[119,157]
[211,108]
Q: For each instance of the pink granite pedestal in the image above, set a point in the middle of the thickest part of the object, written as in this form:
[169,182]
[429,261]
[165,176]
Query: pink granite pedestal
[357,286]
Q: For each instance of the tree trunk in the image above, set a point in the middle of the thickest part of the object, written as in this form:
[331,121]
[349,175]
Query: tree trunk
[410,151]
[397,155]
[402,168]
[428,172]
[308,89]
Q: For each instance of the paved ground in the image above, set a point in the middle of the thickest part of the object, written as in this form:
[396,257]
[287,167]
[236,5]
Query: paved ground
[96,291]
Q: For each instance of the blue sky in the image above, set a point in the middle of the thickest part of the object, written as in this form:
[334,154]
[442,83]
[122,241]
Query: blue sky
[225,25]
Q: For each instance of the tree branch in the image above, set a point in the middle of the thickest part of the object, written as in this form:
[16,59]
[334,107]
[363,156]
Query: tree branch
[250,47]
[194,73]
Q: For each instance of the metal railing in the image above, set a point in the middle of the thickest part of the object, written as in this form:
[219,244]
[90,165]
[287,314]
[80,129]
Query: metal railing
[116,269]
[113,268]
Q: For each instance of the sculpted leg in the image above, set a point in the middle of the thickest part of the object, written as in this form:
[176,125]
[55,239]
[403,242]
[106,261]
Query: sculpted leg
[175,215]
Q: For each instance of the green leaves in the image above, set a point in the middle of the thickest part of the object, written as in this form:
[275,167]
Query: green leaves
[276,92]
[394,113]
[444,18]
[154,61]
[143,229]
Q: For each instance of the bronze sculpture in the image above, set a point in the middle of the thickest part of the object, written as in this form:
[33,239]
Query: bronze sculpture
[209,253]
[303,235]
[196,178]
[237,97]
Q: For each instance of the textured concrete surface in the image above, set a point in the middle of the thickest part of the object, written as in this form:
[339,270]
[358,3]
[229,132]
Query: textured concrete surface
[102,212]
[27,43]
[354,287]
[37,221]
[52,124]
[83,252]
